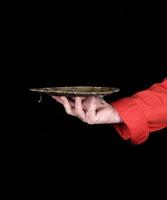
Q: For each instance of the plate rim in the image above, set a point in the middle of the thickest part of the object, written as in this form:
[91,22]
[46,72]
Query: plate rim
[43,90]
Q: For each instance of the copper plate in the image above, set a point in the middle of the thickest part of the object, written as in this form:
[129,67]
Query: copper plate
[76,91]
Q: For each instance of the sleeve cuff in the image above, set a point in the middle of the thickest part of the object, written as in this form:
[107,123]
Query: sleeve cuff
[134,126]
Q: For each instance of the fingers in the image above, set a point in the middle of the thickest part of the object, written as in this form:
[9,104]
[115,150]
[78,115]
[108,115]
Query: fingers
[91,112]
[67,106]
[58,99]
[66,103]
[83,108]
[72,108]
[79,108]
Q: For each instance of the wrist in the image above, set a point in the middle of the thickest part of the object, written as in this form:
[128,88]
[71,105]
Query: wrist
[117,117]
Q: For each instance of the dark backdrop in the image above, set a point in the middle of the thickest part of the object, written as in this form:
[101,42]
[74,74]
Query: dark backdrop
[110,45]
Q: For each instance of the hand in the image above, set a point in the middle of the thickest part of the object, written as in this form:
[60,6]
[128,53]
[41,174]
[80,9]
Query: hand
[91,110]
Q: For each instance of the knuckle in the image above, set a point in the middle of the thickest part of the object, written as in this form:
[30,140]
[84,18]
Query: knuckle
[77,111]
[93,121]
[68,112]
[90,121]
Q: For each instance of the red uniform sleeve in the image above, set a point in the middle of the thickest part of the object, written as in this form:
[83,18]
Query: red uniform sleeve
[142,113]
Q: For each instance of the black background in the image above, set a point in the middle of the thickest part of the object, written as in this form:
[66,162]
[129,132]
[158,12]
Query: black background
[118,45]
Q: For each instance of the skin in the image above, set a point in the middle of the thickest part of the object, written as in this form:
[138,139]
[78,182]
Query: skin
[91,110]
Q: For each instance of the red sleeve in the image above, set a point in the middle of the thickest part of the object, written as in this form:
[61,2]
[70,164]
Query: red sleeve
[142,113]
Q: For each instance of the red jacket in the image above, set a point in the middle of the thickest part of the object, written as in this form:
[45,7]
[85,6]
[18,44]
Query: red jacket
[142,113]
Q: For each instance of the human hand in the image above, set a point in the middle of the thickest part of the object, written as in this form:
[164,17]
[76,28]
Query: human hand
[91,110]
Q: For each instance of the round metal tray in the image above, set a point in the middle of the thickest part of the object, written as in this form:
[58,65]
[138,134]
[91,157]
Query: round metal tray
[76,91]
